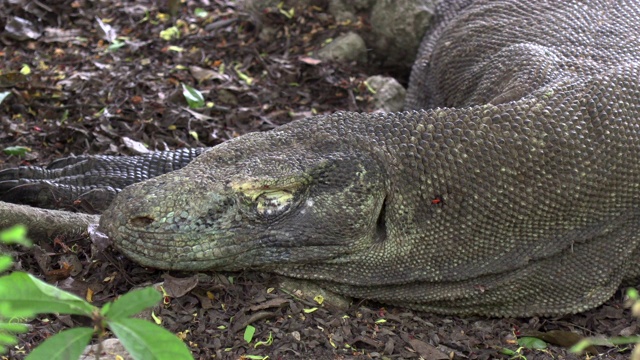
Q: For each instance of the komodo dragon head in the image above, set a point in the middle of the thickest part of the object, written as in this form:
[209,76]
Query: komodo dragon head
[264,199]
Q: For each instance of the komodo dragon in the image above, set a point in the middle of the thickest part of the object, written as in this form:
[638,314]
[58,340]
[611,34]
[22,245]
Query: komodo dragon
[515,191]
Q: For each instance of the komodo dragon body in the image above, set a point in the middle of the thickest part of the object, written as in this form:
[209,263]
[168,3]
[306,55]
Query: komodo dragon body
[510,187]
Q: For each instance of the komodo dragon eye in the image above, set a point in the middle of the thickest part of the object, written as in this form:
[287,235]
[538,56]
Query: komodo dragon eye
[269,199]
[272,203]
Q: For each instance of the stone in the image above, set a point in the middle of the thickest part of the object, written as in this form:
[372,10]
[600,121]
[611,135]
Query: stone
[397,29]
[389,94]
[111,349]
[345,48]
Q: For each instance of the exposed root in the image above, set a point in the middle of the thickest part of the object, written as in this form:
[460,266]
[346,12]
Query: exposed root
[45,224]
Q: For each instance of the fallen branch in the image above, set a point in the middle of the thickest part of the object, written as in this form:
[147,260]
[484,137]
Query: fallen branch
[45,224]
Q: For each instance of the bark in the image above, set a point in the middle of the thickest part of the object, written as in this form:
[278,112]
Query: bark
[45,224]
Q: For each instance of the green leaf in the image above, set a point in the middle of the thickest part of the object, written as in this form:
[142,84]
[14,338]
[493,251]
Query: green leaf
[16,150]
[170,33]
[116,44]
[100,112]
[200,12]
[248,333]
[16,234]
[7,334]
[25,70]
[14,327]
[509,352]
[145,340]
[244,77]
[580,346]
[7,339]
[267,342]
[65,116]
[194,97]
[23,295]
[68,344]
[193,134]
[132,303]
[532,343]
[616,340]
[369,88]
[156,318]
[5,263]
[288,13]
[105,308]
[3,95]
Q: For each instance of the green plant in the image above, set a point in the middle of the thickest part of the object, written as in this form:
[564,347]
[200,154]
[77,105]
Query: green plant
[24,296]
[634,304]
[194,97]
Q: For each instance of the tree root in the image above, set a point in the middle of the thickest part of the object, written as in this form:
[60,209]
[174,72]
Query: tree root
[45,224]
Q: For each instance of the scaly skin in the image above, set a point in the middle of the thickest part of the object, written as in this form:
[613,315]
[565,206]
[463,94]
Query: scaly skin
[516,192]
[530,219]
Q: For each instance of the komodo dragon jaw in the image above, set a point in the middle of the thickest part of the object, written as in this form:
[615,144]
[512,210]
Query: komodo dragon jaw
[258,201]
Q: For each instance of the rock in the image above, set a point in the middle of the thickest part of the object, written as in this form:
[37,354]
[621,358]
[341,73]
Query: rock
[268,33]
[352,6]
[389,94]
[258,8]
[397,29]
[111,349]
[397,26]
[310,291]
[342,11]
[345,48]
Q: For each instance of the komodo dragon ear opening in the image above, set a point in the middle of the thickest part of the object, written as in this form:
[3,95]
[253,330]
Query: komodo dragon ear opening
[381,224]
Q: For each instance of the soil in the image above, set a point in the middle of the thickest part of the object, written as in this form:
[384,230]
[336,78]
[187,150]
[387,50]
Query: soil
[115,87]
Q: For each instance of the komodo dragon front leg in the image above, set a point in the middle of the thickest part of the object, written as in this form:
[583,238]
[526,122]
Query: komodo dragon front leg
[515,192]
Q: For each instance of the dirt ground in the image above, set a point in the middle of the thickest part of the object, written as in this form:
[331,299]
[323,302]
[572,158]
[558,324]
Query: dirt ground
[108,88]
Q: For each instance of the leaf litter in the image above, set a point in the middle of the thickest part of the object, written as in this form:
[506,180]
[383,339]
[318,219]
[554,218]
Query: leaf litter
[107,78]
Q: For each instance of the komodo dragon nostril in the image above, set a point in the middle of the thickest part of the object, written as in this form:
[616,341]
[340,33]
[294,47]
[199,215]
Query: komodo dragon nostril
[141,221]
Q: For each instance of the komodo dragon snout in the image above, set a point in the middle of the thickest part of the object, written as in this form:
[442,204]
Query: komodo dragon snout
[252,205]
